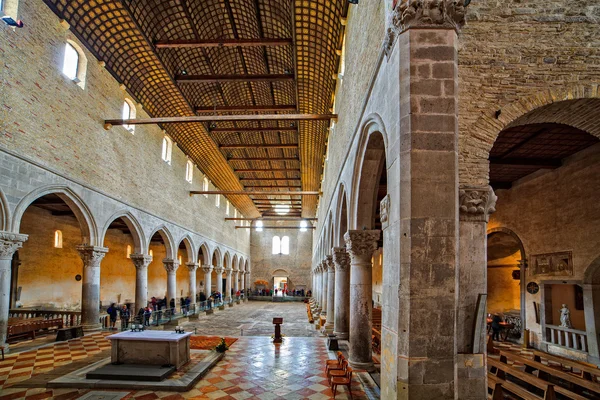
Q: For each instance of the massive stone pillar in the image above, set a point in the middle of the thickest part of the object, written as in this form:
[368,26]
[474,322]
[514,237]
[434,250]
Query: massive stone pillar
[227,293]
[192,267]
[324,277]
[236,280]
[341,260]
[361,245]
[330,295]
[426,52]
[207,269]
[242,281]
[475,205]
[90,288]
[141,262]
[171,268]
[317,288]
[219,271]
[9,244]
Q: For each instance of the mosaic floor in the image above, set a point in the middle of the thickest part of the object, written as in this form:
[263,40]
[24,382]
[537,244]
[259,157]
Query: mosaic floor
[253,368]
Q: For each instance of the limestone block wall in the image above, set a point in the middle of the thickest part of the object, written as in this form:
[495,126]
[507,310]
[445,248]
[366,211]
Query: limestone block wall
[554,211]
[296,265]
[51,122]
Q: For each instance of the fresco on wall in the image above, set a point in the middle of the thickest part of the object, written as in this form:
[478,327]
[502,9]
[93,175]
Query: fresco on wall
[554,264]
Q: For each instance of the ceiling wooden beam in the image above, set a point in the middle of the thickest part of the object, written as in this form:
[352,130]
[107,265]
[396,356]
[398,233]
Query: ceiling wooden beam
[109,123]
[259,146]
[166,44]
[533,162]
[274,227]
[287,107]
[234,130]
[501,185]
[234,78]
[257,192]
[267,170]
[272,219]
[269,179]
[272,186]
[262,159]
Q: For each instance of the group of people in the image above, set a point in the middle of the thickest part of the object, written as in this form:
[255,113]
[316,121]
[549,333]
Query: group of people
[283,292]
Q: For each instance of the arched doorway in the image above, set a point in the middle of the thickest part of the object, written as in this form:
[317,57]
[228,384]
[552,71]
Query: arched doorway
[160,249]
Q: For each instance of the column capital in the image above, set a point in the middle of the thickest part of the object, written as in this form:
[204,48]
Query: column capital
[324,265]
[218,269]
[192,266]
[228,270]
[362,244]
[207,269]
[91,255]
[170,265]
[9,243]
[330,264]
[341,258]
[476,203]
[246,272]
[140,261]
[431,14]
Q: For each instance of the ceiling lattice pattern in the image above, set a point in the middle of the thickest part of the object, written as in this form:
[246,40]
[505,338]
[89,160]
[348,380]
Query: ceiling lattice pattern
[124,34]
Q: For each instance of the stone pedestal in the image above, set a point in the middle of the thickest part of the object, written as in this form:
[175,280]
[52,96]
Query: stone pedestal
[192,267]
[150,348]
[171,268]
[207,269]
[329,324]
[361,245]
[141,262]
[341,260]
[90,288]
[9,244]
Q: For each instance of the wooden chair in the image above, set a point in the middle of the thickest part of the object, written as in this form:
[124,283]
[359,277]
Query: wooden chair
[343,381]
[335,367]
[337,361]
[337,373]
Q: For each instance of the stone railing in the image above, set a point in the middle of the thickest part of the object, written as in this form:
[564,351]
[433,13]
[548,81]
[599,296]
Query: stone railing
[69,318]
[569,338]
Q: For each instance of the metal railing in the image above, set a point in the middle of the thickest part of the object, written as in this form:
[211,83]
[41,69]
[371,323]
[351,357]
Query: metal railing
[565,337]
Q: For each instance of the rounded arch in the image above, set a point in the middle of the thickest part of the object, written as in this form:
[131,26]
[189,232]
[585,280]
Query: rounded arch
[189,247]
[341,216]
[234,262]
[134,227]
[371,159]
[279,272]
[4,212]
[81,69]
[330,234]
[87,223]
[167,238]
[246,266]
[592,273]
[477,141]
[241,264]
[511,234]
[205,260]
[227,260]
[217,258]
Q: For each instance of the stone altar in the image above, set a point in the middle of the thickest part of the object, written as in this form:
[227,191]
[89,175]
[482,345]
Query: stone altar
[150,347]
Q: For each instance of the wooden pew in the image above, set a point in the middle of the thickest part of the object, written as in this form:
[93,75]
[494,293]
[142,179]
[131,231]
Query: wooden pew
[28,327]
[376,318]
[500,370]
[545,372]
[589,372]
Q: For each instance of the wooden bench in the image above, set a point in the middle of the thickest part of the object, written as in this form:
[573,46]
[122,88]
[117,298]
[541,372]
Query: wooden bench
[28,327]
[500,370]
[545,372]
[587,371]
[376,318]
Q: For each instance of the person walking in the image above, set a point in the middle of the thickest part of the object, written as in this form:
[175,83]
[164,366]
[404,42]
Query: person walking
[125,315]
[112,312]
[147,315]
[496,327]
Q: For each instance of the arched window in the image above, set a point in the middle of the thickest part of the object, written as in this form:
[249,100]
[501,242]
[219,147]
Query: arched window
[128,251]
[167,148]
[129,113]
[10,8]
[259,226]
[343,59]
[276,249]
[151,253]
[58,239]
[218,201]
[285,245]
[235,213]
[227,207]
[189,171]
[205,185]
[74,63]
[179,259]
[303,226]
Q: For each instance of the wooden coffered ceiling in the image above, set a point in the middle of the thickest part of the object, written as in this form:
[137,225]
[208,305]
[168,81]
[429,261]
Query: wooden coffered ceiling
[182,58]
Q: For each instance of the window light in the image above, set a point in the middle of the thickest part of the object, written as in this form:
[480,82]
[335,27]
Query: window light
[179,258]
[167,149]
[205,186]
[218,201]
[189,171]
[235,213]
[151,253]
[128,251]
[276,248]
[227,207]
[58,239]
[282,209]
[70,62]
[285,245]
[128,113]
[303,226]
[259,226]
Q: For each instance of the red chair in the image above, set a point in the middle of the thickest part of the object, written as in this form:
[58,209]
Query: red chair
[334,363]
[343,381]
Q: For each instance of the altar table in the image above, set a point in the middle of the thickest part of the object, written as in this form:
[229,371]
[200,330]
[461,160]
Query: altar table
[150,347]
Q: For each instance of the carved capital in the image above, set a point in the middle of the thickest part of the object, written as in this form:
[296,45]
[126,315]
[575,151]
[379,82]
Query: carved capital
[140,261]
[170,265]
[192,267]
[9,243]
[91,255]
[362,244]
[341,259]
[207,269]
[432,14]
[385,211]
[476,203]
[324,265]
[330,264]
[228,271]
[219,270]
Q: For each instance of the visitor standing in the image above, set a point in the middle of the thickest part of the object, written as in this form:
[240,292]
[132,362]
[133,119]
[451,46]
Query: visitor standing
[125,315]
[112,312]
[496,327]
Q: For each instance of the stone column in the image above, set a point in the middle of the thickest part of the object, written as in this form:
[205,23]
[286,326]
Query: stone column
[90,288]
[9,244]
[427,57]
[361,245]
[219,270]
[325,268]
[236,279]
[591,308]
[341,260]
[192,267]
[207,279]
[475,206]
[141,262]
[171,267]
[243,281]
[227,293]
[330,295]
[317,287]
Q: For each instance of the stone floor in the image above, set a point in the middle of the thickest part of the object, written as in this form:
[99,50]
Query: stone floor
[255,318]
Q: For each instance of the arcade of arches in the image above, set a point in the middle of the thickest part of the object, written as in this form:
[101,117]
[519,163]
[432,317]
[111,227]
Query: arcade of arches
[433,165]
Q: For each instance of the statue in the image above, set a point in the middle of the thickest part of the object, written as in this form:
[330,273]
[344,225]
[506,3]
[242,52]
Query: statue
[565,317]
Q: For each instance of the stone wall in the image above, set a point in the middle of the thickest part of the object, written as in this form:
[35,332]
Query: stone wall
[49,120]
[296,266]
